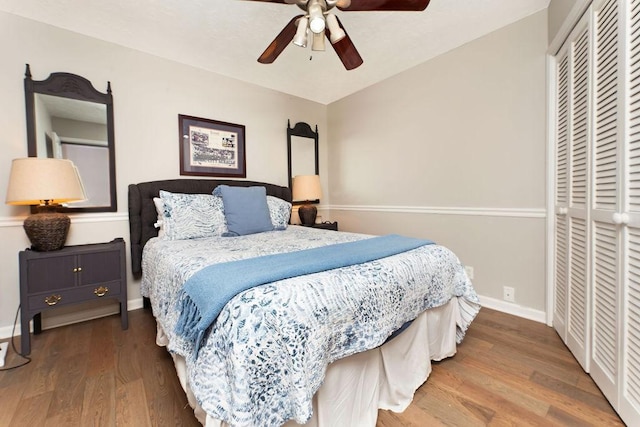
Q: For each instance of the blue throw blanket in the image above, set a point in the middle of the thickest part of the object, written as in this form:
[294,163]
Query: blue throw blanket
[208,290]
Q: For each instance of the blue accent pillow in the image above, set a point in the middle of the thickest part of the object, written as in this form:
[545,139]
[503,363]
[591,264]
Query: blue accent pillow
[245,209]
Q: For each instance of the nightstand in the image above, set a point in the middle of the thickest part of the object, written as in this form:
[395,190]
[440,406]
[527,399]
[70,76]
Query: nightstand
[67,276]
[327,225]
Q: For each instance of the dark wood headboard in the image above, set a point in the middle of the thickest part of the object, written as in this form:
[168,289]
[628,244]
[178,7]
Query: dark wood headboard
[142,211]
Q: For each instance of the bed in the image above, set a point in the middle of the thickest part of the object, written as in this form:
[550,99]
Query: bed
[327,347]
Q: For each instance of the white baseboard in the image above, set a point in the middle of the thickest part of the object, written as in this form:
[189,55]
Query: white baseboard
[514,309]
[69,317]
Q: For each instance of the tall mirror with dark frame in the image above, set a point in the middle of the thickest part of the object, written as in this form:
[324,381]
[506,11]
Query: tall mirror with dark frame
[302,147]
[68,118]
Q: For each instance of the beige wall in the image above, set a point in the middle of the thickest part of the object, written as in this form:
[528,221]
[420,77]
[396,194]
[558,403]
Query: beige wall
[454,150]
[149,93]
[558,12]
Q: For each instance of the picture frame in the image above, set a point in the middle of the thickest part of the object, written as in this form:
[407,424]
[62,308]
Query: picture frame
[211,148]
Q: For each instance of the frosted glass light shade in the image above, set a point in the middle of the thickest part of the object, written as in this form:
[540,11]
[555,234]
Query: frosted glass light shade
[316,19]
[318,41]
[335,32]
[300,39]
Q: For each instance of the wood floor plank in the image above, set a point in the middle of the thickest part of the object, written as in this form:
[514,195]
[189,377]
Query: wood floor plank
[128,368]
[413,416]
[132,405]
[42,379]
[574,393]
[454,408]
[11,398]
[99,401]
[102,355]
[559,397]
[507,412]
[522,343]
[32,411]
[70,387]
[69,418]
[507,356]
[499,383]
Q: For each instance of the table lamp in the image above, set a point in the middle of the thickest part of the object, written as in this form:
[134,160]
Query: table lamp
[307,188]
[45,183]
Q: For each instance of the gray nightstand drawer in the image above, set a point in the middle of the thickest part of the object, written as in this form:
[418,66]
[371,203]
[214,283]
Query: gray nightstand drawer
[57,298]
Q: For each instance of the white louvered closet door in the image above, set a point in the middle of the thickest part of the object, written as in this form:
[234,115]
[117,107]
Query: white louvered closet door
[607,205]
[561,279]
[629,407]
[597,185]
[578,298]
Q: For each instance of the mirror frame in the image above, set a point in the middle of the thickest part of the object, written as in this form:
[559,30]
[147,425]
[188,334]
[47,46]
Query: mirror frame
[303,130]
[72,86]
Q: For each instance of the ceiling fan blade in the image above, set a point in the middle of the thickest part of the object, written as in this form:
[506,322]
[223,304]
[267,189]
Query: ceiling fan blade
[276,1]
[399,5]
[348,53]
[346,50]
[280,42]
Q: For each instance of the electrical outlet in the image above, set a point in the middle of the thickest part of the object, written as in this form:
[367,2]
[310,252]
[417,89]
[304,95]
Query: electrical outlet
[469,270]
[509,294]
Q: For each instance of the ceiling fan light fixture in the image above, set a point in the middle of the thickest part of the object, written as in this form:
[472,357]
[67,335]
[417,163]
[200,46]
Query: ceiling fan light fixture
[316,18]
[318,41]
[300,39]
[335,32]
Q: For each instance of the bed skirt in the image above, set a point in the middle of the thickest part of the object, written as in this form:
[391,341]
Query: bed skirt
[385,377]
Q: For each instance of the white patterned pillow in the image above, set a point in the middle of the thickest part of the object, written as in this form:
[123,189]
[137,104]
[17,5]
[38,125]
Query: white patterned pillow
[280,212]
[159,224]
[190,216]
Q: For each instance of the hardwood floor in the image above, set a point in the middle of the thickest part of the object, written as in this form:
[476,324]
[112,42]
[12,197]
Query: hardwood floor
[508,371]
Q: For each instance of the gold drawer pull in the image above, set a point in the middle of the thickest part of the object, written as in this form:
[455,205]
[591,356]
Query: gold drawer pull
[77,269]
[101,291]
[52,299]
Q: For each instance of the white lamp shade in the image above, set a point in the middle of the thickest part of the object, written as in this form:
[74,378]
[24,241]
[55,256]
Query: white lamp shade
[34,180]
[306,187]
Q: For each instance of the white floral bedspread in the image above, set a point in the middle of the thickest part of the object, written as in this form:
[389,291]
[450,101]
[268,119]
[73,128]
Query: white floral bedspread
[266,354]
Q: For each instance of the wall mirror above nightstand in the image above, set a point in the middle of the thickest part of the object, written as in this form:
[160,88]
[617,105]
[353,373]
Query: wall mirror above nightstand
[68,118]
[302,148]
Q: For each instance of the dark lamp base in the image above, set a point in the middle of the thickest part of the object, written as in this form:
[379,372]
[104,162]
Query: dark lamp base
[47,231]
[307,214]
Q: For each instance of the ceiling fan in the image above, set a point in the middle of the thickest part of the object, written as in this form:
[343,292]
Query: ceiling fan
[318,22]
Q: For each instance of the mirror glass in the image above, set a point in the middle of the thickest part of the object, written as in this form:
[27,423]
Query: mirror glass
[302,145]
[303,156]
[68,118]
[76,130]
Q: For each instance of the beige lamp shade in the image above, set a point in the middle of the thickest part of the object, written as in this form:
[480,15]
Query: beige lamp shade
[306,187]
[44,181]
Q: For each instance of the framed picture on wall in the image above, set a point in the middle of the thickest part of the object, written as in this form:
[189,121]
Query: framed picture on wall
[211,148]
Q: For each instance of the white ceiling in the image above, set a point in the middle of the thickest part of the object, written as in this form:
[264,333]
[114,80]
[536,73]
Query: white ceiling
[227,36]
